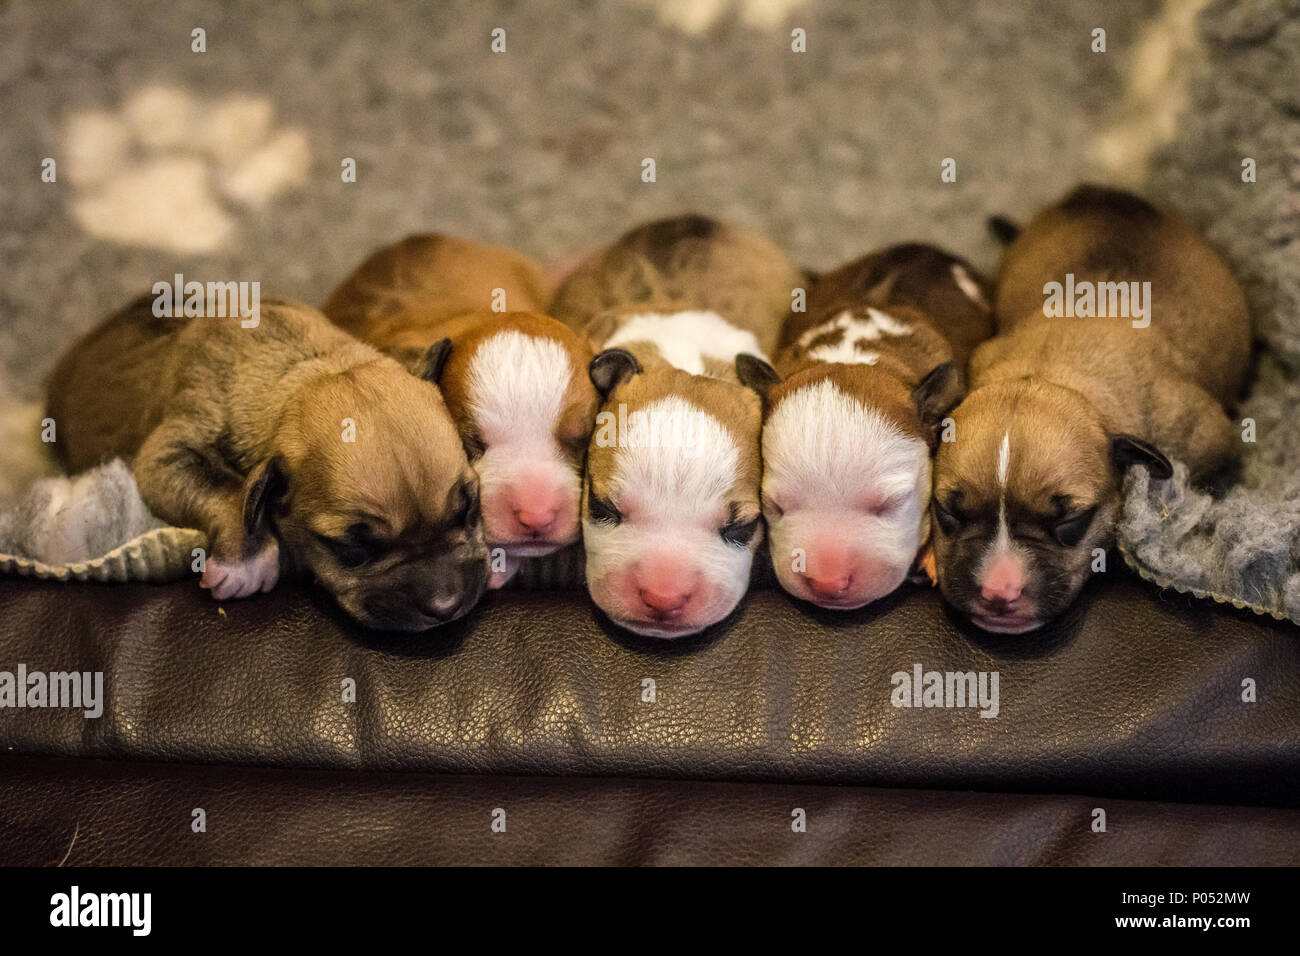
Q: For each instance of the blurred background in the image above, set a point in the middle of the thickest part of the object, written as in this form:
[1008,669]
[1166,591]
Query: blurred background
[227,164]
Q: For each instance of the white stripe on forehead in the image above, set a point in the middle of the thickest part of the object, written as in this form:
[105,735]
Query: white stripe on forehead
[516,386]
[1004,462]
[822,442]
[675,458]
[686,339]
[968,286]
[855,331]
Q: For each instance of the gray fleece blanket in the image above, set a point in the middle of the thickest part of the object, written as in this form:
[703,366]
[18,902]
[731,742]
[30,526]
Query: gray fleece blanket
[225,164]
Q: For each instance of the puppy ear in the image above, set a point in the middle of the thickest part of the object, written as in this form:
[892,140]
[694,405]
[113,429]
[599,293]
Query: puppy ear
[756,373]
[878,295]
[430,366]
[611,368]
[1127,450]
[937,395]
[265,486]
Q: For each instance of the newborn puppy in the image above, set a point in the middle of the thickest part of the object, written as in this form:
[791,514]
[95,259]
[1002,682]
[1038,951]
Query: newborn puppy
[851,416]
[1059,407]
[515,381]
[670,514]
[292,446]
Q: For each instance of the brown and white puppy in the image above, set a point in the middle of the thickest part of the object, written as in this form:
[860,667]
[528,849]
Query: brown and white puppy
[293,446]
[851,415]
[515,381]
[1059,407]
[671,514]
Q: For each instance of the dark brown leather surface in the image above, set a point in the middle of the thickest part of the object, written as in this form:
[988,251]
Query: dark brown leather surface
[121,812]
[1135,694]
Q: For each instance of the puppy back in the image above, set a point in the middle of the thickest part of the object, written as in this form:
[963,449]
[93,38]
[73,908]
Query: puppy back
[1100,235]
[691,262]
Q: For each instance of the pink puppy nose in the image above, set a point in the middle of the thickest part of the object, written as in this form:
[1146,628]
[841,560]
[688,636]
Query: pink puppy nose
[536,520]
[666,601]
[828,585]
[1004,581]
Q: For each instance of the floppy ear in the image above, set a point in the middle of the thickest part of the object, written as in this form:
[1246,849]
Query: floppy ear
[937,395]
[430,366]
[878,295]
[756,373]
[265,486]
[1127,450]
[611,368]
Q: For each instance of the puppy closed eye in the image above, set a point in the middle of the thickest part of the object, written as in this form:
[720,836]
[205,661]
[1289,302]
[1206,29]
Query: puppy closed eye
[738,532]
[468,512]
[950,519]
[357,546]
[602,510]
[1071,529]
[887,507]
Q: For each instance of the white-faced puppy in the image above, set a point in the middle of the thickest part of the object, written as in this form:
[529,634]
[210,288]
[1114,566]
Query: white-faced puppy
[671,514]
[515,381]
[292,446]
[851,414]
[1156,345]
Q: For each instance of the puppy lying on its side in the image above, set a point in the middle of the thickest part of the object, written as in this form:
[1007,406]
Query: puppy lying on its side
[1059,407]
[671,512]
[515,381]
[292,446]
[851,416]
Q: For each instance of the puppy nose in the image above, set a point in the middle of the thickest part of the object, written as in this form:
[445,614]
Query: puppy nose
[1004,582]
[828,585]
[536,520]
[667,602]
[443,606]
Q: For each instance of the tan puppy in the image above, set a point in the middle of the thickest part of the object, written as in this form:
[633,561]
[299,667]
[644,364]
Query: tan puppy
[851,417]
[515,381]
[1061,405]
[244,433]
[671,512]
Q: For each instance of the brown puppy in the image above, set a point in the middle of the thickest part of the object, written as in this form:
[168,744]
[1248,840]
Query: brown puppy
[515,381]
[1122,337]
[671,512]
[867,374]
[292,446]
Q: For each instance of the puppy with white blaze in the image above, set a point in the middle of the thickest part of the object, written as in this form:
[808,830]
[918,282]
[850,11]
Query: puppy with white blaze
[468,317]
[852,413]
[1063,403]
[671,515]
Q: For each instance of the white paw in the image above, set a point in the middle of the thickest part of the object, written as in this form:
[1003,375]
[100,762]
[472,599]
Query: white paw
[239,579]
[499,579]
[168,170]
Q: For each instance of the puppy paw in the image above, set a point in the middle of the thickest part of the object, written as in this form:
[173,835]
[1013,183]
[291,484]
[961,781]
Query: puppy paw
[239,579]
[499,579]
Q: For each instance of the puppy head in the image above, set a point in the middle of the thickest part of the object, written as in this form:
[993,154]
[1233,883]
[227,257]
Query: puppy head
[518,389]
[846,476]
[370,490]
[670,512]
[1022,497]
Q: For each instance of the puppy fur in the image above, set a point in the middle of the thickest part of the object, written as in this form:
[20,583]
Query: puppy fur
[670,512]
[515,382]
[1059,407]
[851,414]
[240,432]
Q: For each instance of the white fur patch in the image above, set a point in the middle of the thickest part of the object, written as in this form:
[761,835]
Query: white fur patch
[687,339]
[516,387]
[1004,462]
[826,456]
[848,351]
[675,501]
[969,287]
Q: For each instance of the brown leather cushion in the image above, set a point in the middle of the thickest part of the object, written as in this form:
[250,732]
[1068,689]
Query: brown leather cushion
[110,812]
[1135,694]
